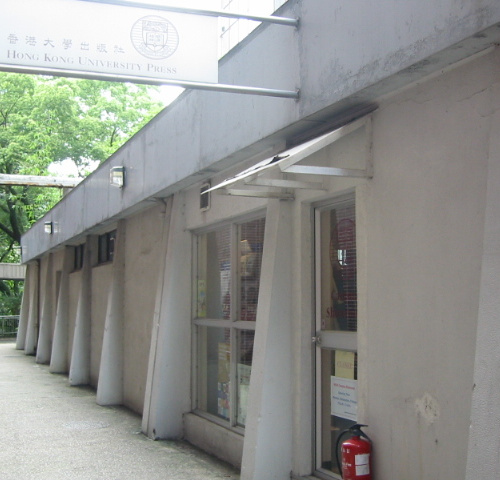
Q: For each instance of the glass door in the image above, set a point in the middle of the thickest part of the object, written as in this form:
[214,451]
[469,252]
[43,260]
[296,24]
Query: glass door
[336,326]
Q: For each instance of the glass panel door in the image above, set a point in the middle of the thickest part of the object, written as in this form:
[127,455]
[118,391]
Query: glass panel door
[336,323]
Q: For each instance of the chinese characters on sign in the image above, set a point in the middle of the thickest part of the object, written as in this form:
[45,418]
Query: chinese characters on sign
[107,40]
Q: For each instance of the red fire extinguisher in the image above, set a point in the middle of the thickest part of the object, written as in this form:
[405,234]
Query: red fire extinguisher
[356,454]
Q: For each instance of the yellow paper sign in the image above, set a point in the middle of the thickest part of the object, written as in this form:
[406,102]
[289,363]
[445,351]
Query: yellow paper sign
[344,364]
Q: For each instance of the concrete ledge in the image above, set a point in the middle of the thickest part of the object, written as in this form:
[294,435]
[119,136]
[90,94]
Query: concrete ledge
[12,271]
[214,439]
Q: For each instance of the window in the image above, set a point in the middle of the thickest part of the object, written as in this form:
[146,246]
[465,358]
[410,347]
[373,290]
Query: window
[106,247]
[78,257]
[226,293]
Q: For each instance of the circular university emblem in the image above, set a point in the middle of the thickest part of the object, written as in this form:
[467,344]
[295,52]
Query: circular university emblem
[154,37]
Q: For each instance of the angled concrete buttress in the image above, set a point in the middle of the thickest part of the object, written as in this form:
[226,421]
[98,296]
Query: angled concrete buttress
[25,310]
[44,346]
[168,387]
[79,370]
[270,398]
[32,328]
[59,357]
[110,385]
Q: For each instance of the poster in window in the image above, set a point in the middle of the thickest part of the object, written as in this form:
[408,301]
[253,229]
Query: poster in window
[224,352]
[244,372]
[344,400]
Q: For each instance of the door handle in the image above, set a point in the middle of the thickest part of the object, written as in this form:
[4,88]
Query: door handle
[317,339]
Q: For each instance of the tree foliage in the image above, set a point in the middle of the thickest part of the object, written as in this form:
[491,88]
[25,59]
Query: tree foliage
[45,120]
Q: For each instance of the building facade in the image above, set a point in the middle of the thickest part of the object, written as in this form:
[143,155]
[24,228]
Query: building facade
[275,270]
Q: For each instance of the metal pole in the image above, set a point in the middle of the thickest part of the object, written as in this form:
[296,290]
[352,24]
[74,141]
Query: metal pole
[290,22]
[221,87]
[215,87]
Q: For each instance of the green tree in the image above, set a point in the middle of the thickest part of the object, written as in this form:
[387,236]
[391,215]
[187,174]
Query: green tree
[45,120]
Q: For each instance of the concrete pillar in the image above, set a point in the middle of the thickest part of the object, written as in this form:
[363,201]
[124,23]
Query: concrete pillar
[32,327]
[25,309]
[110,385]
[79,370]
[44,346]
[267,451]
[483,460]
[59,357]
[168,384]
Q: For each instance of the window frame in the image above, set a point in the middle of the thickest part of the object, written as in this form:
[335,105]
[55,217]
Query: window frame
[106,247]
[233,323]
[78,257]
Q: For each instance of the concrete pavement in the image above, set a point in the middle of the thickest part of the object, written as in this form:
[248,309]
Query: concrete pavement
[51,431]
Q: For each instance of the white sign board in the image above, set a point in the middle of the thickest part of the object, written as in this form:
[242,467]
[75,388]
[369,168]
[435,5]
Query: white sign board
[70,36]
[344,401]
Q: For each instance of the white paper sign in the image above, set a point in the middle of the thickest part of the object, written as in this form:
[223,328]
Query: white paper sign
[362,463]
[344,401]
[78,36]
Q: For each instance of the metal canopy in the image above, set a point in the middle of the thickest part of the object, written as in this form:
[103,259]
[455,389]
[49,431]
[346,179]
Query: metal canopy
[286,162]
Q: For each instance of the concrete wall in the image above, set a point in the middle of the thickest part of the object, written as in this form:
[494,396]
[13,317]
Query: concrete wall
[425,207]
[141,277]
[12,271]
[483,438]
[142,269]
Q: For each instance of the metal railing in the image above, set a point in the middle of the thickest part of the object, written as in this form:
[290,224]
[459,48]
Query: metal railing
[8,325]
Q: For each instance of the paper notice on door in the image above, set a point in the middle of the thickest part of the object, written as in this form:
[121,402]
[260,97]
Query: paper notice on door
[344,364]
[344,401]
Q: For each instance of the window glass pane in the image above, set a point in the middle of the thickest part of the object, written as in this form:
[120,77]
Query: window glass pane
[78,258]
[214,274]
[106,247]
[338,401]
[111,245]
[243,370]
[250,254]
[102,249]
[214,367]
[338,269]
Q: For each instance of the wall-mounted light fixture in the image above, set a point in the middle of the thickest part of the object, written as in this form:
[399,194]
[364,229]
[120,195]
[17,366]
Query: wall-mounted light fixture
[49,227]
[117,177]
